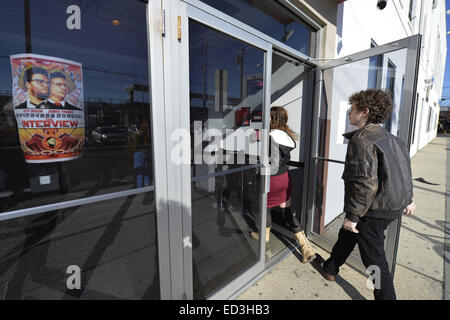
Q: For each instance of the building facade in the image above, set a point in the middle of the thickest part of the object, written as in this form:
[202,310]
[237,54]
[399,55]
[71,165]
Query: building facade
[362,25]
[135,141]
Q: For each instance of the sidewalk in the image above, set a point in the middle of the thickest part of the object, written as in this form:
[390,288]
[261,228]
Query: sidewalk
[420,261]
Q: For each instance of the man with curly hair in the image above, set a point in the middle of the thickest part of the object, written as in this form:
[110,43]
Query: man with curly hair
[378,189]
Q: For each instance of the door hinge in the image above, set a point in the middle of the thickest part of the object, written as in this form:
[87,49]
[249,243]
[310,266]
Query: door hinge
[163,24]
[179,28]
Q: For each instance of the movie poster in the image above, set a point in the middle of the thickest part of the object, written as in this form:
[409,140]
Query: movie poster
[48,105]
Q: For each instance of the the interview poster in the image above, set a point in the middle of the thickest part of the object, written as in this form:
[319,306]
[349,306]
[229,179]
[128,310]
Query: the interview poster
[48,105]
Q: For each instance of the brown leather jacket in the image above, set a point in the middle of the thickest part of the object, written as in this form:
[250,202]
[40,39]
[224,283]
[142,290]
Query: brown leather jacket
[377,174]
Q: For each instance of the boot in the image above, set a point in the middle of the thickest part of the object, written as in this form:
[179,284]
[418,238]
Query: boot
[267,234]
[308,253]
[255,235]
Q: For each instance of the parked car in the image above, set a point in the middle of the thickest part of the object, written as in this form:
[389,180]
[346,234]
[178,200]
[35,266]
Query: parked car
[110,135]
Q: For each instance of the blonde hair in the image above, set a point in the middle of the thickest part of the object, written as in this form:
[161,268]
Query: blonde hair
[279,119]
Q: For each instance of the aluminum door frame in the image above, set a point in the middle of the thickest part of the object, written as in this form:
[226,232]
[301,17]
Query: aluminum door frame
[412,44]
[171,24]
[159,114]
[289,52]
[218,24]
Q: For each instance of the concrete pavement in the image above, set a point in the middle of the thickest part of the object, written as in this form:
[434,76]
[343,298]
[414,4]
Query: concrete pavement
[422,256]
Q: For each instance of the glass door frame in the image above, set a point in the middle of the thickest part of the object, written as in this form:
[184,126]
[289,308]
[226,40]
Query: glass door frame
[412,44]
[171,22]
[215,23]
[198,15]
[170,101]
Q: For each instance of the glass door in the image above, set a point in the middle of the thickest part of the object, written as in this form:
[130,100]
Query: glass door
[219,106]
[227,101]
[290,88]
[390,67]
[226,81]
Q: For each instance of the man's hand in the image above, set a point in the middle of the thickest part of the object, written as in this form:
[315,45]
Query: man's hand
[350,226]
[410,208]
[36,143]
[67,142]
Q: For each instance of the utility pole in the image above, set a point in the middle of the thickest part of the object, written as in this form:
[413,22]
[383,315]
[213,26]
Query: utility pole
[27,26]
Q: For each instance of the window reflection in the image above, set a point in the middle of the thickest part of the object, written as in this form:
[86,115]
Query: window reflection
[289,90]
[271,18]
[226,91]
[115,250]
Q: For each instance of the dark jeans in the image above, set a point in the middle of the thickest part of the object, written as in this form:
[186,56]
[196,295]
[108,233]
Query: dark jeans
[370,241]
[290,216]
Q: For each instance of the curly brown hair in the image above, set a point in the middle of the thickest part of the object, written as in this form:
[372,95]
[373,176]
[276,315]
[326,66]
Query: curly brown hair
[278,120]
[379,103]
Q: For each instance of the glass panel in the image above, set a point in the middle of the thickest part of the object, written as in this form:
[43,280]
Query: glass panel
[374,75]
[375,64]
[328,220]
[221,220]
[289,90]
[340,82]
[270,18]
[226,104]
[82,111]
[113,243]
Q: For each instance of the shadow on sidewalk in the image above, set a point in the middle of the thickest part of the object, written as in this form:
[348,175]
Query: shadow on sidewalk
[433,191]
[350,290]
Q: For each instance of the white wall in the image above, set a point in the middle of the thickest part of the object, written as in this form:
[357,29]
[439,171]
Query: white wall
[432,65]
[363,22]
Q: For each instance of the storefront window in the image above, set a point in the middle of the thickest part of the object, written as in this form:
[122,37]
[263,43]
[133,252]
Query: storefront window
[270,17]
[74,100]
[75,123]
[101,251]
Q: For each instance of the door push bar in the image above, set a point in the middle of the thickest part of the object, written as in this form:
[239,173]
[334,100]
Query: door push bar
[330,160]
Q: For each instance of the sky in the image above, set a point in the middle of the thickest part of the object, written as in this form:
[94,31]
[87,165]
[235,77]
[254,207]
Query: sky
[446,89]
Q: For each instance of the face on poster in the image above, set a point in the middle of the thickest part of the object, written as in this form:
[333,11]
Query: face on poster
[48,105]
